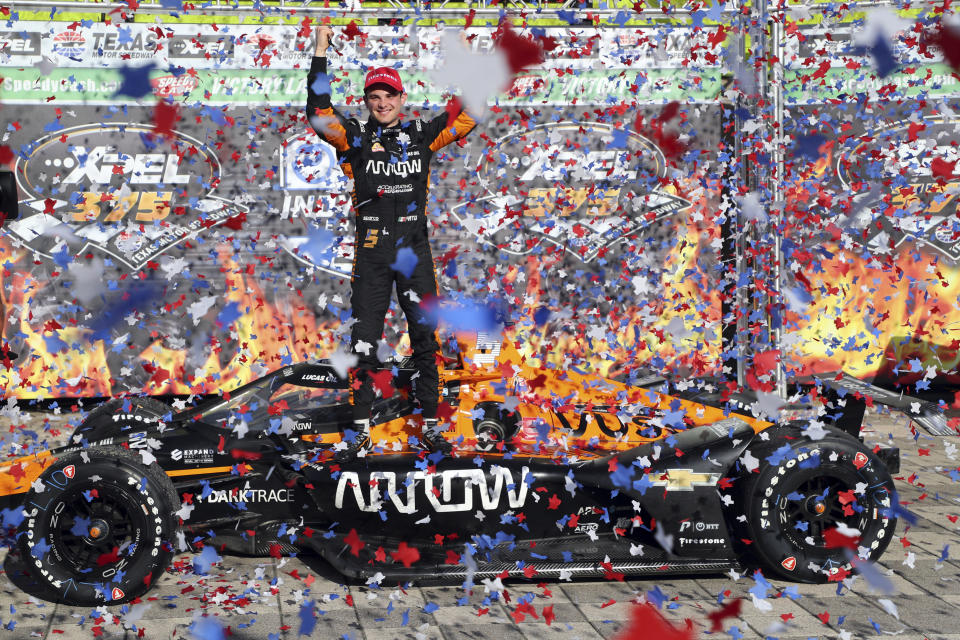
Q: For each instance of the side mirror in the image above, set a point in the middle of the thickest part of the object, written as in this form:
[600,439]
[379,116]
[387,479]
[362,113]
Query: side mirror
[8,197]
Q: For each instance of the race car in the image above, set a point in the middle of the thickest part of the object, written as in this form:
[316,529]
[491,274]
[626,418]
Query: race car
[555,474]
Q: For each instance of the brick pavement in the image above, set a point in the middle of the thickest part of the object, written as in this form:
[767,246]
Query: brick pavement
[265,598]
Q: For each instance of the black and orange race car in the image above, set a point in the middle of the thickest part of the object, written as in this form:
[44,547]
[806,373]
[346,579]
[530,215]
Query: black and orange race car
[555,474]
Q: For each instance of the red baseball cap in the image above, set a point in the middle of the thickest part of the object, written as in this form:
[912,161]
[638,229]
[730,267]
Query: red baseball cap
[383,75]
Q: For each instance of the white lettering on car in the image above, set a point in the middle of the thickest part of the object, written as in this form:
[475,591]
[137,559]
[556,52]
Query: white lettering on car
[438,488]
[246,494]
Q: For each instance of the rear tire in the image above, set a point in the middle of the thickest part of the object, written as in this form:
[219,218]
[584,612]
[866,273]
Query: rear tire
[99,531]
[804,488]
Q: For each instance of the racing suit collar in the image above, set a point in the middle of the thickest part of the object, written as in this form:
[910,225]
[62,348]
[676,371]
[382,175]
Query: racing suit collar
[374,126]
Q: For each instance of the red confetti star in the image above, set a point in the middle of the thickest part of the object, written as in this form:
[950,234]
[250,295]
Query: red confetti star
[381,382]
[353,540]
[548,615]
[833,539]
[521,52]
[729,610]
[405,554]
[165,117]
[646,622]
[108,558]
[352,31]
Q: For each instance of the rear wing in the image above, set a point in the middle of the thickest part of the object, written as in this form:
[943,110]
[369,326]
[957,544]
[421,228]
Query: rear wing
[856,392]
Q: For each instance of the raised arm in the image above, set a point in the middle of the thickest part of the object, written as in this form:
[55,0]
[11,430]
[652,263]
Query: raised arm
[329,123]
[442,130]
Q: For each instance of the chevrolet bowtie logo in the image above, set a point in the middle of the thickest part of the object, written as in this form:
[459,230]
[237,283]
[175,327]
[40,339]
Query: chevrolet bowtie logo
[685,479]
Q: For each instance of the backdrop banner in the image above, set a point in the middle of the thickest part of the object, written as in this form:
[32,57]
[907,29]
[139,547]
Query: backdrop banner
[195,261]
[184,230]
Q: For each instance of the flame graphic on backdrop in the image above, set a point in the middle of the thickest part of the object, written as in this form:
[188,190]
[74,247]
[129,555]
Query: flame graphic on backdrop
[864,307]
[77,369]
[265,332]
[678,322]
[71,365]
[859,308]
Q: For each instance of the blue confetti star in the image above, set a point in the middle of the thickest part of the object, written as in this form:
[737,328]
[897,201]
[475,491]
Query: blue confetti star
[136,81]
[406,261]
[321,84]
[307,619]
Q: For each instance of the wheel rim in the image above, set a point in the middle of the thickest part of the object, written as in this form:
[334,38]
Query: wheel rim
[99,534]
[817,503]
[489,433]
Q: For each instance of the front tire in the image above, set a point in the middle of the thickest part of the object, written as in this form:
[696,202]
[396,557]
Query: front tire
[803,490]
[99,530]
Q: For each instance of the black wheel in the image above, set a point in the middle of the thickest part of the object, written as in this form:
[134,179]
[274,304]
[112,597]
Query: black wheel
[99,531]
[805,490]
[118,416]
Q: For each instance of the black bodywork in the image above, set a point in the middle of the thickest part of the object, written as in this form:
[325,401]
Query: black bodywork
[249,482]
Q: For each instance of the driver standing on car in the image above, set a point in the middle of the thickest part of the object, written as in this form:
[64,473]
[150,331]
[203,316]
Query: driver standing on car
[388,159]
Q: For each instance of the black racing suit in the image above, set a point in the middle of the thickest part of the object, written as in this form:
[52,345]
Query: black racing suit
[390,168]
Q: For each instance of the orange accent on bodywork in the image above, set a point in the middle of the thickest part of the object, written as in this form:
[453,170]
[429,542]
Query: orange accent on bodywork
[396,430]
[29,469]
[203,470]
[589,402]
